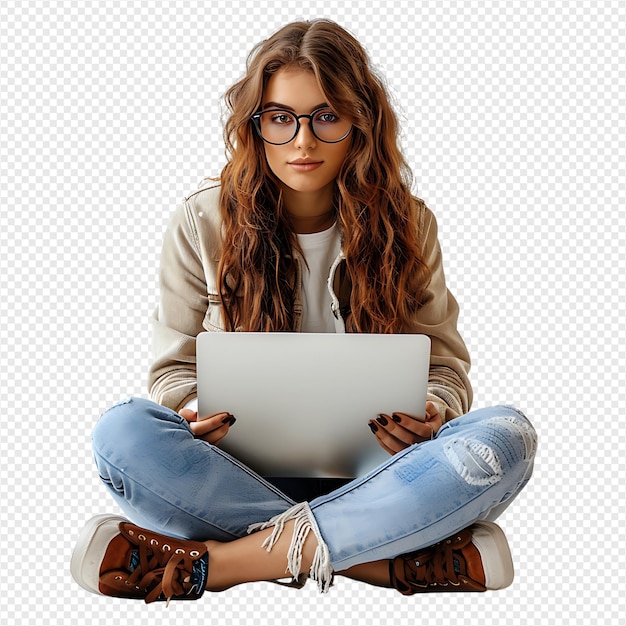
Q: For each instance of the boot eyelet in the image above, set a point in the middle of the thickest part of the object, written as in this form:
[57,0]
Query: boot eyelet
[180,551]
[194,553]
[142,537]
[166,548]
[154,542]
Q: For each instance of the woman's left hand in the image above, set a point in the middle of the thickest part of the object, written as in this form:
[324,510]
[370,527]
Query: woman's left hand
[398,431]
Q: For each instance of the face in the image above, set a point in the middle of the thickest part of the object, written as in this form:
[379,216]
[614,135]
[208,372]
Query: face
[306,167]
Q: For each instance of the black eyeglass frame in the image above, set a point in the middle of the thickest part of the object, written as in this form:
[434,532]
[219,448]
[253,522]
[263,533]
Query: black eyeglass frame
[256,119]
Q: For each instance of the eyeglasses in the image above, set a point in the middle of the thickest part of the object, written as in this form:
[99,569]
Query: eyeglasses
[279,127]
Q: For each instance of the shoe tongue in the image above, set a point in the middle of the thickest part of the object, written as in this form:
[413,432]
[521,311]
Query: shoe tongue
[134,561]
[200,573]
[457,566]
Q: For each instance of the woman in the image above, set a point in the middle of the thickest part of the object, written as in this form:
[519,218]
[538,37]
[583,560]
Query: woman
[312,228]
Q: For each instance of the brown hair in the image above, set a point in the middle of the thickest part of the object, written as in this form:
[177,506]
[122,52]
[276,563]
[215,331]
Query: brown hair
[377,216]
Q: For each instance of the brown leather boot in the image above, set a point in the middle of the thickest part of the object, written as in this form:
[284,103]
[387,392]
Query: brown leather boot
[475,559]
[115,558]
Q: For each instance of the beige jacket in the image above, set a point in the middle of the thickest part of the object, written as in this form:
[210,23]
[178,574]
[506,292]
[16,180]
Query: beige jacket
[189,304]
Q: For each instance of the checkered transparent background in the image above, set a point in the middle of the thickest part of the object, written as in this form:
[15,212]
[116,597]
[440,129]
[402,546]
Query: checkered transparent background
[513,115]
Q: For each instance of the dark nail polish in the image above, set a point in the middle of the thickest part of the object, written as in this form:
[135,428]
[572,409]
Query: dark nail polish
[373,427]
[381,419]
[233,419]
[396,418]
[227,419]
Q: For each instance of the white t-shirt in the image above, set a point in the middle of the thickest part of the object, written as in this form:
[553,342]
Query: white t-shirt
[320,250]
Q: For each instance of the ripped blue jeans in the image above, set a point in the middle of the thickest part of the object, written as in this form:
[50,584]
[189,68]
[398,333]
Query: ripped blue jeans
[165,479]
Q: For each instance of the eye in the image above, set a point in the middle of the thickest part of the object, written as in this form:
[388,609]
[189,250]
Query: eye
[281,118]
[326,117]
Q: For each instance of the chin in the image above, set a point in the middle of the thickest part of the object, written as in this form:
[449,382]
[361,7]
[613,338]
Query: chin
[305,186]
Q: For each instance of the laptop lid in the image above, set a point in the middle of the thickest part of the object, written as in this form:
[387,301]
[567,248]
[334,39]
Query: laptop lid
[303,400]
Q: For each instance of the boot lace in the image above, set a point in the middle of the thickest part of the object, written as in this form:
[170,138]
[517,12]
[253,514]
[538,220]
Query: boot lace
[435,565]
[163,571]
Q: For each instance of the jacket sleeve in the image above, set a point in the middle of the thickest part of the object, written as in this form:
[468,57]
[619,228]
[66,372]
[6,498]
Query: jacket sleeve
[448,383]
[178,318]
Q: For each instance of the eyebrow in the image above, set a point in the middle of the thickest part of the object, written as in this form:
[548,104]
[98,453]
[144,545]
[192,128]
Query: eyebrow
[278,105]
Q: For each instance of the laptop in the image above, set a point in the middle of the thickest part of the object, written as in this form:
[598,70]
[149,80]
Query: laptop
[303,400]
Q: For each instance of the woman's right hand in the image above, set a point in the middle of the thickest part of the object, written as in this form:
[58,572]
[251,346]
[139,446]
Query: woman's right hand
[212,428]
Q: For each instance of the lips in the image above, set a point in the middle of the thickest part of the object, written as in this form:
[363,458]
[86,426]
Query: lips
[305,165]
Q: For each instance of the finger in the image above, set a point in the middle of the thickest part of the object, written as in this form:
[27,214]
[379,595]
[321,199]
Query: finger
[217,441]
[405,427]
[420,428]
[385,439]
[188,414]
[432,412]
[395,430]
[406,417]
[203,418]
[397,446]
[211,423]
[386,448]
[215,436]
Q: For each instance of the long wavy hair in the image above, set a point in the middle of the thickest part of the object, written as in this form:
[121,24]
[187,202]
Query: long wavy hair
[379,219]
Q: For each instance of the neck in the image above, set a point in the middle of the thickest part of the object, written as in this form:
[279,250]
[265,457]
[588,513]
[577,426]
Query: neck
[310,212]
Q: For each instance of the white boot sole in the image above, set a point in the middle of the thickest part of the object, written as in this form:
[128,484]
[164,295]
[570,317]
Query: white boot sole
[90,549]
[495,554]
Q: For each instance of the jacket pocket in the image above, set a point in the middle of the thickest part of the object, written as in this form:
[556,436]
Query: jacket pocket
[213,318]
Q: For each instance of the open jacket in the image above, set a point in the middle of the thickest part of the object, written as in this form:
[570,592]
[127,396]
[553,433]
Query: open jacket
[190,304]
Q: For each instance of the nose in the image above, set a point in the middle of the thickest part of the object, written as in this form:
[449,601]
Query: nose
[305,137]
